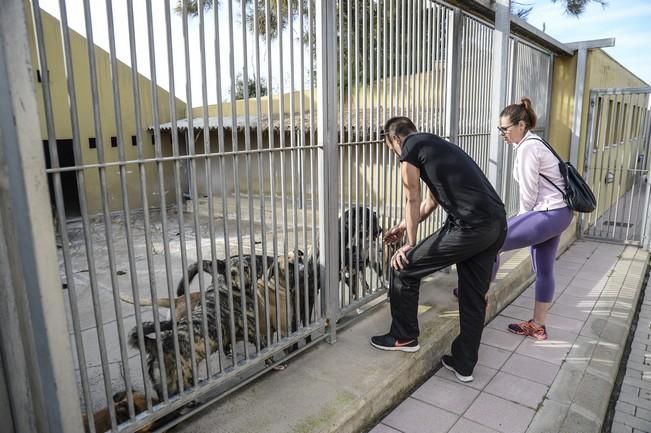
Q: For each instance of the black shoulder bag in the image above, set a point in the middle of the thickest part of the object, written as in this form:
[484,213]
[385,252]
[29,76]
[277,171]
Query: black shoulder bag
[577,194]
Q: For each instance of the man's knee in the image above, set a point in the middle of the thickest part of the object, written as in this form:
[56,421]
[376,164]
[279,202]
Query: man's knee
[405,278]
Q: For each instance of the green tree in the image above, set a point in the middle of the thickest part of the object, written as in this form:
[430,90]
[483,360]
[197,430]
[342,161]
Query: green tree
[239,87]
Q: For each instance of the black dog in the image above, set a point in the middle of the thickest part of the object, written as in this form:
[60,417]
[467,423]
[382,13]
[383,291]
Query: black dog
[361,231]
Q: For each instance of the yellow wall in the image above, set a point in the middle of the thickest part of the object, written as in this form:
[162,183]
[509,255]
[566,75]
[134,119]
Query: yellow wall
[264,103]
[62,122]
[562,104]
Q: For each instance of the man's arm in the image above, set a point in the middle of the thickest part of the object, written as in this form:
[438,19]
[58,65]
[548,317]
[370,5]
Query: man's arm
[411,182]
[428,206]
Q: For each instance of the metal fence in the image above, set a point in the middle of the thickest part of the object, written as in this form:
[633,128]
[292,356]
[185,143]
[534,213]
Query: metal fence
[617,165]
[246,189]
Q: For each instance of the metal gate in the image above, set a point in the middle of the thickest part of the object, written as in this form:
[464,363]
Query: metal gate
[280,196]
[617,165]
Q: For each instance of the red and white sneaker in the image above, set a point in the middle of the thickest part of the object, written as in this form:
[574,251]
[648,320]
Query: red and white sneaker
[529,329]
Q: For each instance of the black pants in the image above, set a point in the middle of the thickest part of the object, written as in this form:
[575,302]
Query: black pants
[473,250]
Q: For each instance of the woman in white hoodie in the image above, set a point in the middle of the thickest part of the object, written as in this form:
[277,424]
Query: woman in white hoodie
[543,213]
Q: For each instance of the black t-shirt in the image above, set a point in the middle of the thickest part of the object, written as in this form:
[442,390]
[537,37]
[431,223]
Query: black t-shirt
[455,180]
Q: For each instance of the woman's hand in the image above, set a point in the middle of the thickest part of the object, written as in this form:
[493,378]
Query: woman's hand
[399,260]
[395,234]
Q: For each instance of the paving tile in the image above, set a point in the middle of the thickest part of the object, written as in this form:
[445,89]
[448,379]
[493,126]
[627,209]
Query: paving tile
[501,339]
[383,428]
[493,357]
[563,323]
[549,417]
[448,395]
[413,416]
[500,322]
[523,302]
[639,412]
[618,427]
[500,414]
[631,421]
[466,426]
[553,350]
[625,407]
[531,368]
[517,389]
[571,312]
[583,302]
[516,312]
[635,401]
[481,374]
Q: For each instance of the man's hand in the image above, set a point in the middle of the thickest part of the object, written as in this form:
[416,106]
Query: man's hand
[399,260]
[394,234]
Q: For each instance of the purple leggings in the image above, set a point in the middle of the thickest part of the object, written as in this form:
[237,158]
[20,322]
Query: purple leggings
[540,230]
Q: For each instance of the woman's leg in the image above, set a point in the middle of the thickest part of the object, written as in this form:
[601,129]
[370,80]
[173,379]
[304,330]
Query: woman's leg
[543,257]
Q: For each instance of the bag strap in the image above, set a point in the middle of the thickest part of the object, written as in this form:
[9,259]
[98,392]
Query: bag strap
[551,149]
[553,184]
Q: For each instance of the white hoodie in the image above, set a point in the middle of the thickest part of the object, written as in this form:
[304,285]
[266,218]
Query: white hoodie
[532,158]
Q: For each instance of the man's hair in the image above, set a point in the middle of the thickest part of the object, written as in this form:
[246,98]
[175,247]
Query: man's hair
[399,125]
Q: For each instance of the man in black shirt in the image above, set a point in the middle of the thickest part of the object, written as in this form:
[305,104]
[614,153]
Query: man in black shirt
[470,238]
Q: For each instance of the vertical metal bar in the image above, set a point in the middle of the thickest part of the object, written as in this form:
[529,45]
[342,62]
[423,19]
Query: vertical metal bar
[646,229]
[326,69]
[272,170]
[629,143]
[578,104]
[313,184]
[589,145]
[190,150]
[225,226]
[344,88]
[179,203]
[50,393]
[60,207]
[615,144]
[236,172]
[283,196]
[303,178]
[260,146]
[453,81]
[159,165]
[206,162]
[499,88]
[108,232]
[605,149]
[292,154]
[207,144]
[247,147]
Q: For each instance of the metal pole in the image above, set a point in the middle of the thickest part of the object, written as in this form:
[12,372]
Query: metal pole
[499,90]
[327,124]
[39,323]
[453,67]
[578,105]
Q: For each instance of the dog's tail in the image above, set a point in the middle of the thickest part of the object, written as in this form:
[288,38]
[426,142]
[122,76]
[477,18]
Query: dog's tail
[193,270]
[162,302]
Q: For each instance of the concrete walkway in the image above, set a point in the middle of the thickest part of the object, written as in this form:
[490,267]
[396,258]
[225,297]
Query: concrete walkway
[633,409]
[562,384]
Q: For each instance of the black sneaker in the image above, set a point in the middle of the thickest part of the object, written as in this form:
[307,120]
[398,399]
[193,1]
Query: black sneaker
[448,362]
[388,342]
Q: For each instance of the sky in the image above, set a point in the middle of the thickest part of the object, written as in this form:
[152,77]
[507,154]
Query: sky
[628,21]
[75,14]
[625,20]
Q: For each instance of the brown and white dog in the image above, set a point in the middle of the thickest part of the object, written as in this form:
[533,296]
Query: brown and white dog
[102,417]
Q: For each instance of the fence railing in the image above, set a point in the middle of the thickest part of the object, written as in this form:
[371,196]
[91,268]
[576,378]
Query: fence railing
[217,179]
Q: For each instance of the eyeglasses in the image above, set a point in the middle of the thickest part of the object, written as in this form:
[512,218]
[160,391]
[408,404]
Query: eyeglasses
[503,129]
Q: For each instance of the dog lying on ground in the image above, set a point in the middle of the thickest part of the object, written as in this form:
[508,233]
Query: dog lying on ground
[102,417]
[217,309]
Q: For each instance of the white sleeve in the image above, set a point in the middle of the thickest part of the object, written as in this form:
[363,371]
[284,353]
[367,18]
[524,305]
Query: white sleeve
[528,173]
